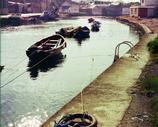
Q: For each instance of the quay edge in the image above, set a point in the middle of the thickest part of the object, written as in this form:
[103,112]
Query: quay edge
[141,27]
[107,98]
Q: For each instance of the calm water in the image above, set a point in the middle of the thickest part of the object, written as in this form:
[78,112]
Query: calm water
[34,96]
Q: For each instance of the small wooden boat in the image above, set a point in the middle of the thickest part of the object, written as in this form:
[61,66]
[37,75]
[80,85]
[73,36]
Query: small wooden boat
[81,33]
[95,26]
[49,46]
[90,20]
[67,32]
[1,68]
[77,120]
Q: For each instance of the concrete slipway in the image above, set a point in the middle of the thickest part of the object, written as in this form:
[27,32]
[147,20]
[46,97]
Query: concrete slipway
[107,98]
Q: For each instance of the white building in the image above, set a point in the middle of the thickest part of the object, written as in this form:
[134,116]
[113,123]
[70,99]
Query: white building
[69,8]
[149,2]
[97,10]
[125,11]
[74,8]
[64,9]
[146,9]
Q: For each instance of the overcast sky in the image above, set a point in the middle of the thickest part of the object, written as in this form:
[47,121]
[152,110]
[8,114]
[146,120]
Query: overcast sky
[115,0]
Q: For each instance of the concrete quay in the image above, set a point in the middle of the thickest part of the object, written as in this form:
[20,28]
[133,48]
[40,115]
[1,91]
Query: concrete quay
[107,97]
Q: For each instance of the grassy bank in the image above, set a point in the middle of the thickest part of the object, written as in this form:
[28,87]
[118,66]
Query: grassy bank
[151,83]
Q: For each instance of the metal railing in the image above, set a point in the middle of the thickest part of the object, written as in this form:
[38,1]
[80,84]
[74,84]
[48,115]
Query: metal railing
[117,49]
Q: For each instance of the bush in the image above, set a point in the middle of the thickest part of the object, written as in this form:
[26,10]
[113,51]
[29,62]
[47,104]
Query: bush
[150,83]
[156,59]
[153,45]
[155,121]
[154,104]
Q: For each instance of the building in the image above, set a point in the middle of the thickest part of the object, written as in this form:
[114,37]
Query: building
[74,8]
[113,10]
[86,10]
[125,11]
[64,9]
[15,7]
[97,10]
[69,8]
[147,8]
[101,2]
[4,7]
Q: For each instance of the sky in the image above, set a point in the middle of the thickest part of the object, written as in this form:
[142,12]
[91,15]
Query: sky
[116,0]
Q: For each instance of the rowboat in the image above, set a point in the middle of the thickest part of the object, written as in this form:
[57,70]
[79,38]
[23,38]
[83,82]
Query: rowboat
[82,33]
[95,26]
[46,47]
[90,20]
[67,31]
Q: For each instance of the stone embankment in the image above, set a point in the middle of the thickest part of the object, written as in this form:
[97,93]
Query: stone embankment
[107,98]
[140,112]
[136,24]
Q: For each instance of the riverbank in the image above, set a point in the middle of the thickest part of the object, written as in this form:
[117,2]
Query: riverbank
[150,24]
[139,112]
[106,98]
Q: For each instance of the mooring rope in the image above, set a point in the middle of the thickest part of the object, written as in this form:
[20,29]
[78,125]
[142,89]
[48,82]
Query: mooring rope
[16,65]
[24,71]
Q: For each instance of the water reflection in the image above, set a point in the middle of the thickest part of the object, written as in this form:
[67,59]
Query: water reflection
[35,66]
[80,40]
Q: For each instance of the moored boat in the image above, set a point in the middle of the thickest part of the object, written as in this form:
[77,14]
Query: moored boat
[81,33]
[90,20]
[95,26]
[46,47]
[1,68]
[67,31]
[77,120]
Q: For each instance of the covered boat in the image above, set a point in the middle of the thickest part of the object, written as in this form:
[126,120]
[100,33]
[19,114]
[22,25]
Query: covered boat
[77,120]
[90,20]
[46,47]
[81,33]
[95,26]
[67,31]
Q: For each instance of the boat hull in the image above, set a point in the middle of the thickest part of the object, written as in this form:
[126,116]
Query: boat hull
[39,54]
[67,32]
[82,33]
[34,52]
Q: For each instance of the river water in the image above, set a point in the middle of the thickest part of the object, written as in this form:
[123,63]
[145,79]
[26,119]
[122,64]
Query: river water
[30,97]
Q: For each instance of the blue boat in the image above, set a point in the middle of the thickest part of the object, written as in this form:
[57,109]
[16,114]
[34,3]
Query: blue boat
[81,33]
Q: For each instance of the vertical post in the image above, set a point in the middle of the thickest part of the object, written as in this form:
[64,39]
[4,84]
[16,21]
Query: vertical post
[82,101]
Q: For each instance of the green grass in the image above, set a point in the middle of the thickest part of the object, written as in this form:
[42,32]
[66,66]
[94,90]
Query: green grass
[150,83]
[153,46]
[155,121]
[154,104]
[156,59]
